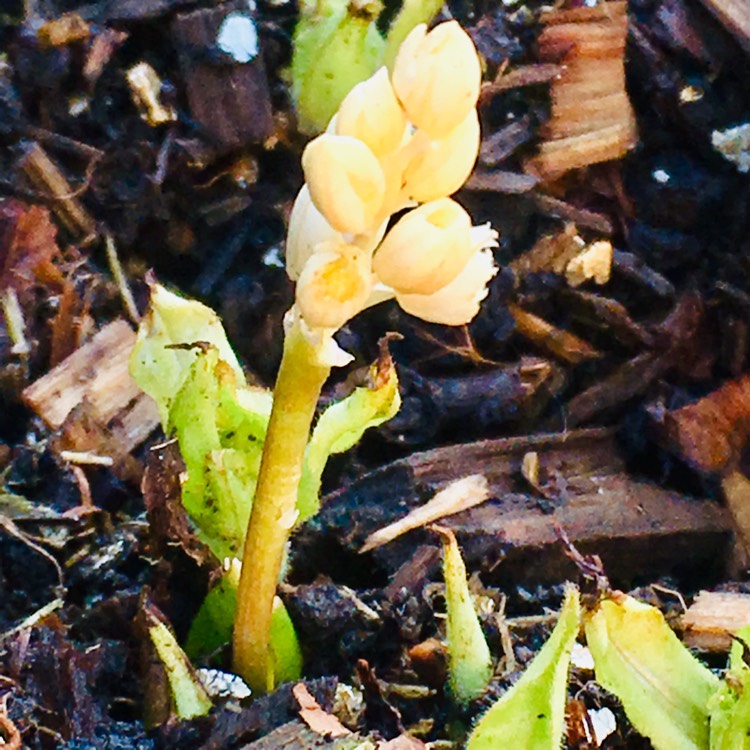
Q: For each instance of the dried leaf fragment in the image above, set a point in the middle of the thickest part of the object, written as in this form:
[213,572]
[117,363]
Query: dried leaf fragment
[314,716]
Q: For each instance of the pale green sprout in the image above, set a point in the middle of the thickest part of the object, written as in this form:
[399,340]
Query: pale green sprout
[664,689]
[531,715]
[189,696]
[469,657]
[337,44]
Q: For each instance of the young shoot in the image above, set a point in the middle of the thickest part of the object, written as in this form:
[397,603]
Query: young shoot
[469,657]
[396,142]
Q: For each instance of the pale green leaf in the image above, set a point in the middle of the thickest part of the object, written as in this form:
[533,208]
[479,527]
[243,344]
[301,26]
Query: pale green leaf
[172,321]
[334,50]
[531,715]
[342,425]
[212,628]
[664,689]
[729,707]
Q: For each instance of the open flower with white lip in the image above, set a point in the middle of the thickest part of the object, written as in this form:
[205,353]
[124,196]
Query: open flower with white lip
[334,285]
[426,248]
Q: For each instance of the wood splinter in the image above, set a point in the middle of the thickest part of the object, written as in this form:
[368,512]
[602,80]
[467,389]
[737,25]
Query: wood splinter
[591,120]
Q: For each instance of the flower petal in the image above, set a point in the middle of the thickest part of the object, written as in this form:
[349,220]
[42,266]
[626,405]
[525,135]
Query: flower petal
[307,228]
[456,303]
[439,168]
[372,113]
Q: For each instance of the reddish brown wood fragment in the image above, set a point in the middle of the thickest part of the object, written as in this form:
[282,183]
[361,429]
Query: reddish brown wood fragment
[430,661]
[711,433]
[67,29]
[314,716]
[561,344]
[638,528]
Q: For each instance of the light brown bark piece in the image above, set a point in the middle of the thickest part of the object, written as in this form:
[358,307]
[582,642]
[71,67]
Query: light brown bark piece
[95,380]
[713,618]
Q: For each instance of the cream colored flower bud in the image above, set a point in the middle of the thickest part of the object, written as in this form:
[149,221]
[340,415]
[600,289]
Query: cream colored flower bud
[334,285]
[437,76]
[426,249]
[308,228]
[439,168]
[345,180]
[372,113]
[456,303]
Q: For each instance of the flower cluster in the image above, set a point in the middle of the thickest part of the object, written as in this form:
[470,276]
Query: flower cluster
[408,140]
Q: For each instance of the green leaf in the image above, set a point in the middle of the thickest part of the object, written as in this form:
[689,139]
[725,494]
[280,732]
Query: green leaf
[174,321]
[531,715]
[212,628]
[190,697]
[729,707]
[342,425]
[469,658]
[287,656]
[218,490]
[336,46]
[664,689]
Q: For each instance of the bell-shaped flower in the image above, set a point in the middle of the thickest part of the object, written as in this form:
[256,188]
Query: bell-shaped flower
[372,113]
[426,248]
[457,303]
[345,180]
[436,77]
[439,168]
[334,285]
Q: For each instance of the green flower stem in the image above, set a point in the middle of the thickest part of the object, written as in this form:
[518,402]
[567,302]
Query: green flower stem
[298,387]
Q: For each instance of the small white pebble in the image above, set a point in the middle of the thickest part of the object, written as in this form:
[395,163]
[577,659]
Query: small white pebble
[581,658]
[604,723]
[220,684]
[238,38]
[734,145]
